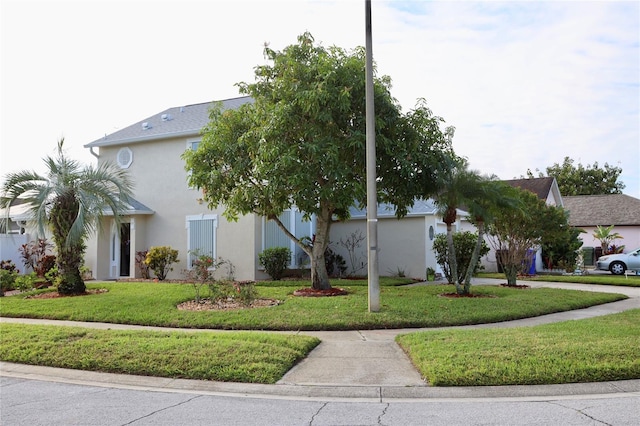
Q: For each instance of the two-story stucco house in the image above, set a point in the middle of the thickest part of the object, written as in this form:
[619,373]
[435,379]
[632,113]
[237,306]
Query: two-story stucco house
[166,212]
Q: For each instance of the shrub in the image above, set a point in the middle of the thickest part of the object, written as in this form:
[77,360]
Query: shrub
[201,272]
[8,265]
[464,243]
[7,280]
[247,292]
[353,243]
[159,259]
[221,290]
[26,282]
[141,264]
[53,277]
[335,264]
[275,261]
[36,255]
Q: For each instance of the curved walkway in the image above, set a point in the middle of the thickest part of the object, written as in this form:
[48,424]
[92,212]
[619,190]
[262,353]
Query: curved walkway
[365,365]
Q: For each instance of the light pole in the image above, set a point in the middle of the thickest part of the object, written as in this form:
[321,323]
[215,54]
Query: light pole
[372,198]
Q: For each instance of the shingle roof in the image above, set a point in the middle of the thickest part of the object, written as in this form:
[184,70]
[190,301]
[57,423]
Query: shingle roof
[420,207]
[173,122]
[604,210]
[539,186]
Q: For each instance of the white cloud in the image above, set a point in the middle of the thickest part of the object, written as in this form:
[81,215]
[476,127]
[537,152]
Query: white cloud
[524,83]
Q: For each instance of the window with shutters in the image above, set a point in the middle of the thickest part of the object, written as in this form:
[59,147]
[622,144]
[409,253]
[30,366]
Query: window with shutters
[293,220]
[201,236]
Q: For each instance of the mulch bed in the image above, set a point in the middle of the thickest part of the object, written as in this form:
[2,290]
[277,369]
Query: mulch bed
[225,305]
[518,286]
[311,292]
[470,295]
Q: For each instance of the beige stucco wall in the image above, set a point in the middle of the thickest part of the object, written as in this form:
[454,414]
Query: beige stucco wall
[160,183]
[404,245]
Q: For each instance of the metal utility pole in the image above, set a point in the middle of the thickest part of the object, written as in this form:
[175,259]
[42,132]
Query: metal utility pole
[372,198]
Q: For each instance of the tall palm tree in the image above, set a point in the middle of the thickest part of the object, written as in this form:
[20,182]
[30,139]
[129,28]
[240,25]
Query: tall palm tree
[69,201]
[458,187]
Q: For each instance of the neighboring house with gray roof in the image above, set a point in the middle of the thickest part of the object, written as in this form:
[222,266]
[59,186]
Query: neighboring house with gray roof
[167,212]
[546,188]
[620,210]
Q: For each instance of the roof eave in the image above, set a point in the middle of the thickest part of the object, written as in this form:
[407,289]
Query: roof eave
[105,143]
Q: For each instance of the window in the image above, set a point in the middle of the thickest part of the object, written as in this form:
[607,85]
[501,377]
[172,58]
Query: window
[273,236]
[124,158]
[201,236]
[193,144]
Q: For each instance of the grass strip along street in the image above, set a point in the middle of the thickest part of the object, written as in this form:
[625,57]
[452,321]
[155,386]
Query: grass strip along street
[588,350]
[248,357]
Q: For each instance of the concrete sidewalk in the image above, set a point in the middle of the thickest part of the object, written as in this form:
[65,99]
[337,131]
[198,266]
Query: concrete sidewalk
[365,364]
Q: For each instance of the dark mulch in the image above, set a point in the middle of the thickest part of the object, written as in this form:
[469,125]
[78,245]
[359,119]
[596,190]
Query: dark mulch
[470,295]
[311,292]
[518,286]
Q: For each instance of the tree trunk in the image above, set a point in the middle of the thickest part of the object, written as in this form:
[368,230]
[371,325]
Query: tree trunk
[474,257]
[511,272]
[319,275]
[69,252]
[452,259]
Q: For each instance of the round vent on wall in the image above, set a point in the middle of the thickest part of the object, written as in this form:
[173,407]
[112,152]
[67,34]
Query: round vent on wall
[125,158]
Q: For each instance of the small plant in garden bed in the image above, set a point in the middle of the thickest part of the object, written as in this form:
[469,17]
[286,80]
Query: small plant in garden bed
[160,260]
[227,295]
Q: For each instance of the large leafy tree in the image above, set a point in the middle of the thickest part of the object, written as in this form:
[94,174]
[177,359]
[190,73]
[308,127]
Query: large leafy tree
[580,180]
[69,201]
[516,232]
[302,143]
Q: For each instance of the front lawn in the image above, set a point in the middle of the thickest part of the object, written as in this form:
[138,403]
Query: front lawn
[600,279]
[401,307]
[247,357]
[589,350]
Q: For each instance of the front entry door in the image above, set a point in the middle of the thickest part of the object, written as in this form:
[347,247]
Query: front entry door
[120,251]
[125,249]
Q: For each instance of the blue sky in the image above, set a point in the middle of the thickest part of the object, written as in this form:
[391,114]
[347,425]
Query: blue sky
[524,83]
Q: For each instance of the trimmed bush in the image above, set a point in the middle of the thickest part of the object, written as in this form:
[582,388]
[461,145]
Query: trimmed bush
[159,259]
[275,261]
[464,244]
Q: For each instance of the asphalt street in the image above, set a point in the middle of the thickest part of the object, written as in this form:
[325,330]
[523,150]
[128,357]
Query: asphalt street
[35,402]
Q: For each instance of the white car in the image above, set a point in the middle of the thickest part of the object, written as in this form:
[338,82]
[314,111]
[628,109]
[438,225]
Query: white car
[619,263]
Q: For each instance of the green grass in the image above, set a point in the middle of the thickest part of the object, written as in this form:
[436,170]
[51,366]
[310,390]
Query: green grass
[156,305]
[616,280]
[590,350]
[246,357]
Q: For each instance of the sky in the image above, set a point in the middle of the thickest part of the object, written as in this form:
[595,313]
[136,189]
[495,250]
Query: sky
[525,84]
